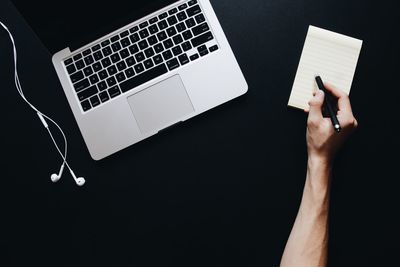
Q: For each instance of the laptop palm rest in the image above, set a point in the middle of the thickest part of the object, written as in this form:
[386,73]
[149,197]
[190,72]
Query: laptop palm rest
[161,105]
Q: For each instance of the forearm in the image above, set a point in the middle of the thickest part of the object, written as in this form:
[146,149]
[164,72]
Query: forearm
[308,242]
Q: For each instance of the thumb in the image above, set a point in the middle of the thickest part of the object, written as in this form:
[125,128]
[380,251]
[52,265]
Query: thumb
[316,104]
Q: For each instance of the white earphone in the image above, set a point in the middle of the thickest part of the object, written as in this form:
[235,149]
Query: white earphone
[80,181]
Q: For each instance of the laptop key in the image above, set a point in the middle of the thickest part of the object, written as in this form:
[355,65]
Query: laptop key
[213,48]
[194,57]
[162,36]
[192,2]
[80,64]
[71,69]
[115,58]
[167,55]
[104,97]
[193,11]
[89,60]
[103,74]
[114,91]
[130,61]
[186,46]
[105,43]
[143,44]
[148,63]
[86,105]
[182,7]
[153,20]
[200,29]
[171,31]
[87,93]
[102,86]
[159,48]
[172,21]
[149,52]
[121,66]
[177,50]
[77,57]
[178,39]
[134,29]
[187,35]
[116,46]
[180,27]
[94,79]
[200,18]
[139,68]
[181,16]
[162,25]
[77,76]
[111,81]
[134,38]
[201,39]
[95,101]
[107,51]
[190,23]
[87,52]
[124,34]
[153,29]
[158,59]
[124,53]
[112,70]
[144,33]
[134,49]
[173,64]
[139,57]
[183,59]
[173,11]
[163,15]
[106,62]
[129,72]
[143,78]
[97,66]
[168,44]
[125,42]
[88,71]
[95,48]
[202,50]
[115,38]
[98,55]
[120,77]
[152,40]
[143,25]
[68,61]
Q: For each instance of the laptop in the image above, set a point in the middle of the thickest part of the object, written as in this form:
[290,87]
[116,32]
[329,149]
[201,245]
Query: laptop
[131,69]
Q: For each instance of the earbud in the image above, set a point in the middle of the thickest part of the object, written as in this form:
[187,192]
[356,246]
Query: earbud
[56,177]
[79,181]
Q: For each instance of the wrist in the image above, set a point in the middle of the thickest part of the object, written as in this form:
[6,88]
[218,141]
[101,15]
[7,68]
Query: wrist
[318,177]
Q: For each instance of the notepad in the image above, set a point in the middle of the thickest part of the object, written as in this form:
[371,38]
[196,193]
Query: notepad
[330,55]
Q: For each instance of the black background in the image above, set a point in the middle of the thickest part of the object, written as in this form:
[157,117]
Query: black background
[222,189]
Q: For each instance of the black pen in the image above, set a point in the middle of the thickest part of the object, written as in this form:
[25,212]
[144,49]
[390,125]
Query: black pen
[328,104]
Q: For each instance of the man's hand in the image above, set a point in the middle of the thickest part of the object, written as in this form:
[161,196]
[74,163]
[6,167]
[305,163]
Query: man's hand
[322,140]
[308,242]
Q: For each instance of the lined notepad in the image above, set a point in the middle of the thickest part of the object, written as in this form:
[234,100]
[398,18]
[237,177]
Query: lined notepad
[331,55]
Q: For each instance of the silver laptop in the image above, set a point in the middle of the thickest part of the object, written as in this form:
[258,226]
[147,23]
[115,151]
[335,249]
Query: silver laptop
[130,69]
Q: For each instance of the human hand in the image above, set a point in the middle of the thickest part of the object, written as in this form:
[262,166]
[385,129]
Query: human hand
[322,140]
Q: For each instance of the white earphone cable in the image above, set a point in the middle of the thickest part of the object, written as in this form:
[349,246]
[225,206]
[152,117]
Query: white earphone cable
[21,93]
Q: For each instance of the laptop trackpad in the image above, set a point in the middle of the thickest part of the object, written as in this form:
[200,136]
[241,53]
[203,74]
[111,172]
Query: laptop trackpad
[161,105]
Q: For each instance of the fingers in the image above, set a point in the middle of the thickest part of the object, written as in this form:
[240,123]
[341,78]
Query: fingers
[315,111]
[343,98]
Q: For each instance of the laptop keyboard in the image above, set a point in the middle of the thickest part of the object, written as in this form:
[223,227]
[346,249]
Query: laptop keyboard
[140,54]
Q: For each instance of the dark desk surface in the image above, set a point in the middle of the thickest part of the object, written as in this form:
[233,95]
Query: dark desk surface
[222,189]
